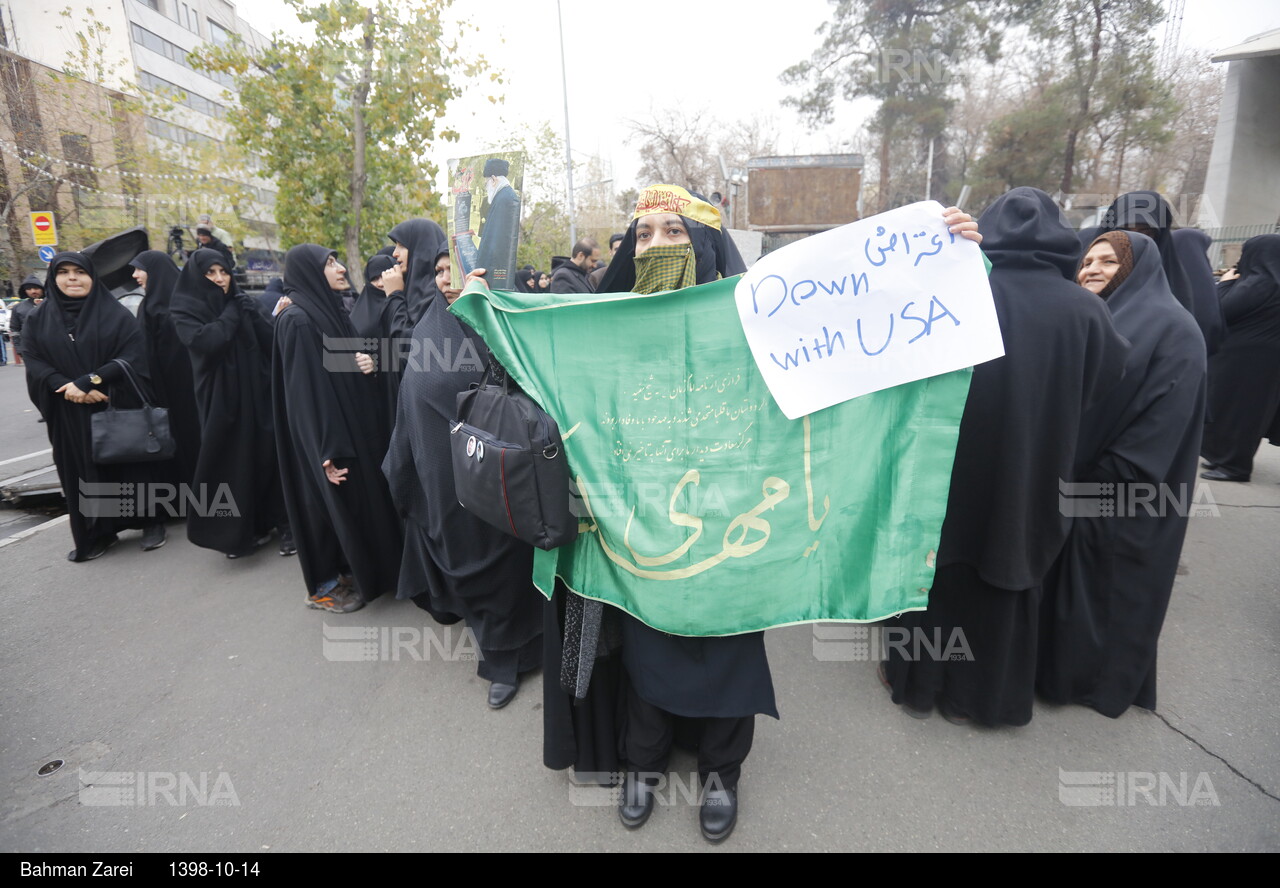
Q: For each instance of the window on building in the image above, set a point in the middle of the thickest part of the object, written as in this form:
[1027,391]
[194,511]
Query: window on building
[79,156]
[174,53]
[149,81]
[154,4]
[218,34]
[186,16]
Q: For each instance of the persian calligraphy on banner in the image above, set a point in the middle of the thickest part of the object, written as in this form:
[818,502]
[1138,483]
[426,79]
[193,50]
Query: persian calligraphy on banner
[867,306]
[702,509]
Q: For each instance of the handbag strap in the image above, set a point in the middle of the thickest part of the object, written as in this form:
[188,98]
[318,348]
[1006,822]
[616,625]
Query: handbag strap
[128,372]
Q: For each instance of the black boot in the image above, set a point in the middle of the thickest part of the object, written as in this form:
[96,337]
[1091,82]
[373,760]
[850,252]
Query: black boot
[718,813]
[636,803]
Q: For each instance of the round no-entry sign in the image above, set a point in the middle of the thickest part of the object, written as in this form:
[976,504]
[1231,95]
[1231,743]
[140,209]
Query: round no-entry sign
[43,229]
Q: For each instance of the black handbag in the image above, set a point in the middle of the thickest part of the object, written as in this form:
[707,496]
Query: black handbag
[509,466]
[130,436]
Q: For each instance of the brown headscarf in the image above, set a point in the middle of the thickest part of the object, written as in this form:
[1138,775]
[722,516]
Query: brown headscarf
[1119,241]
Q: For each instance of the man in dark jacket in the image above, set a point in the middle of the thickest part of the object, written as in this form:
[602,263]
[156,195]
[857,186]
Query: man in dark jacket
[32,294]
[204,234]
[570,275]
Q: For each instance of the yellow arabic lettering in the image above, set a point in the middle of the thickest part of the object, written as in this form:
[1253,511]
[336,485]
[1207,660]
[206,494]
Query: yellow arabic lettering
[774,491]
[814,523]
[680,519]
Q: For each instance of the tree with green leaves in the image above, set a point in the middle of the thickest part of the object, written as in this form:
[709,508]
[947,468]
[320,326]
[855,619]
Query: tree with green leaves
[1108,63]
[903,54]
[343,120]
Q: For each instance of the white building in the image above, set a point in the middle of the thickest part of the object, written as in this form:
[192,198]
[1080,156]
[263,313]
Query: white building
[143,45]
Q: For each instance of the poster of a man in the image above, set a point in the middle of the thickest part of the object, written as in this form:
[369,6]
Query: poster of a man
[496,216]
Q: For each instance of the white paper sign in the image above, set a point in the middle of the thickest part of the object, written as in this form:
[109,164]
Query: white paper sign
[873,304]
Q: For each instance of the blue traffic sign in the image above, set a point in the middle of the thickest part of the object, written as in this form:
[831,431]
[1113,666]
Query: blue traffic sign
[47,253]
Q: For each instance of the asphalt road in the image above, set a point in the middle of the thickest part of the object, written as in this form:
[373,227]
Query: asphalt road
[176,666]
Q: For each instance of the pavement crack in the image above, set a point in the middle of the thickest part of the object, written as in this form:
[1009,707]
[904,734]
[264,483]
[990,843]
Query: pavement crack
[1245,506]
[1232,768]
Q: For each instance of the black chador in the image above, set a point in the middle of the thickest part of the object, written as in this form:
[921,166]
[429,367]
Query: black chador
[1018,441]
[170,364]
[1244,376]
[1192,246]
[382,320]
[326,411]
[1105,599]
[455,565]
[72,340]
[229,341]
[425,240]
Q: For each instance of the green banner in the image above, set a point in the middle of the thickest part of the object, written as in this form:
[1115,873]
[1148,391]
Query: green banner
[702,509]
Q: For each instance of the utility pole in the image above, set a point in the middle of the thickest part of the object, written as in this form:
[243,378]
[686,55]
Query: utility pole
[568,151]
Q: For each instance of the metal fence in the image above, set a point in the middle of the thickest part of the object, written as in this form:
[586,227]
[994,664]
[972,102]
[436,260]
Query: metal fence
[1224,239]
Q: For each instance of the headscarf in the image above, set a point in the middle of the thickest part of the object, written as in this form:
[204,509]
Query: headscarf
[1120,244]
[714,253]
[102,328]
[366,314]
[1139,281]
[524,280]
[195,296]
[424,240]
[307,287]
[162,275]
[1150,210]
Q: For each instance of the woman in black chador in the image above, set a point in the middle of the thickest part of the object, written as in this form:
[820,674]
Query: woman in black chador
[1018,442]
[455,565]
[418,243]
[1146,212]
[329,441]
[1244,376]
[70,343]
[381,318]
[1106,597]
[229,341]
[167,356]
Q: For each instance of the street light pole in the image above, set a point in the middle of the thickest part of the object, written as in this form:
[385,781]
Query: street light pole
[568,155]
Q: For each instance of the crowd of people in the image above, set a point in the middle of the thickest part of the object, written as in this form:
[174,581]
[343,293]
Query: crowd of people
[1124,364]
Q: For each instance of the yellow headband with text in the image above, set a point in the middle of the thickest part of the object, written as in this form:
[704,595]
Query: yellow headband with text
[674,199]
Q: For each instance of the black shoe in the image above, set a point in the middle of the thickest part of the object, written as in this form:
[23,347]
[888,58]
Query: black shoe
[257,543]
[501,694]
[1206,464]
[636,803]
[287,545]
[952,715]
[718,814]
[909,710]
[97,550]
[153,537]
[1221,475]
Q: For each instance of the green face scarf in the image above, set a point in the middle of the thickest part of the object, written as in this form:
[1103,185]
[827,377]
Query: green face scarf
[665,267]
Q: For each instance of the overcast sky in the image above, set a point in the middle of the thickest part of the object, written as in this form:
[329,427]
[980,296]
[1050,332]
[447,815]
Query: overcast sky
[719,56]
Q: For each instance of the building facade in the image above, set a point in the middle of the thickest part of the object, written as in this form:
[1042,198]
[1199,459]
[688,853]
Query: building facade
[106,122]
